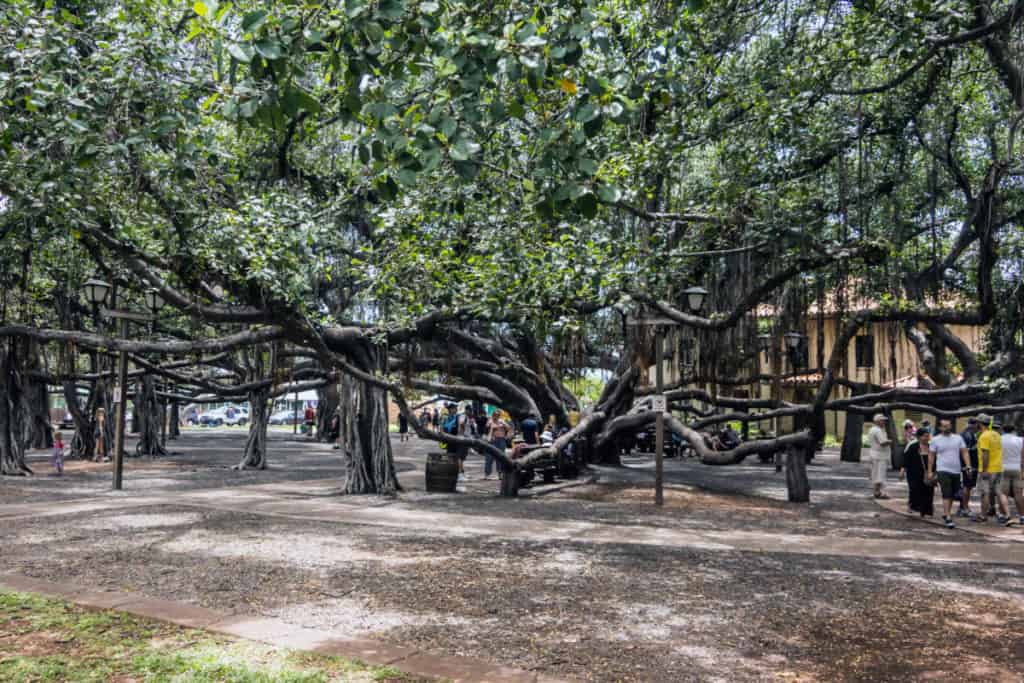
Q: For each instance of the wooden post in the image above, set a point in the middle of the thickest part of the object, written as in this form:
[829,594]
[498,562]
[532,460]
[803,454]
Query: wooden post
[659,420]
[122,380]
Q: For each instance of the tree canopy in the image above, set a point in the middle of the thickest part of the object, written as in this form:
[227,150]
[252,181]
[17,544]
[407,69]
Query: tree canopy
[472,193]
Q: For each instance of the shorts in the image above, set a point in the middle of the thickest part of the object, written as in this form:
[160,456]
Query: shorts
[878,470]
[949,482]
[989,483]
[970,480]
[1013,485]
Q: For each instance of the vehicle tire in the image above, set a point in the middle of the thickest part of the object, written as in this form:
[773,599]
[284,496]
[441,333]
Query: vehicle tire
[243,422]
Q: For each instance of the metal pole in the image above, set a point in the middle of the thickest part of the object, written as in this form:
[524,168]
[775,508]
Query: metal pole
[122,380]
[295,413]
[659,420]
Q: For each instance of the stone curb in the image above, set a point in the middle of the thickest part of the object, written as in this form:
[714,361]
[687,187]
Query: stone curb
[281,634]
[989,529]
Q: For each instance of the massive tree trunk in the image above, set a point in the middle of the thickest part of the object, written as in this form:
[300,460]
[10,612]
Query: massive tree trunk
[369,461]
[326,407]
[798,487]
[854,434]
[255,456]
[174,424]
[38,397]
[13,416]
[149,417]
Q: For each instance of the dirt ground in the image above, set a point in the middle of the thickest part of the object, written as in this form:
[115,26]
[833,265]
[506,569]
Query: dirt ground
[573,608]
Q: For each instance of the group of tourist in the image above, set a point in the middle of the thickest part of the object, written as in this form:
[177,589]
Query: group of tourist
[497,428]
[985,456]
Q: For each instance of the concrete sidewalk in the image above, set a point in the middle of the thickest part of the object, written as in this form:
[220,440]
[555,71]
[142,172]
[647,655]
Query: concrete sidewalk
[991,529]
[280,634]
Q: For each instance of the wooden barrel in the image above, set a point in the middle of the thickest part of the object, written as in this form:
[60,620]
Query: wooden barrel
[442,473]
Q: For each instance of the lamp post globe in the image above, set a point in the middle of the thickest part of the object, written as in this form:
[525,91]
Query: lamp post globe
[793,339]
[154,301]
[695,297]
[764,342]
[95,291]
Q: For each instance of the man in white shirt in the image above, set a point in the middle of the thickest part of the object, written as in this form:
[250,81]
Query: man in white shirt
[947,457]
[878,443]
[1012,485]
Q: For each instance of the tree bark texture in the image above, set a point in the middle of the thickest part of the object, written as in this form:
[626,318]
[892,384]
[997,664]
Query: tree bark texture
[326,407]
[255,456]
[38,397]
[148,414]
[369,461]
[798,486]
[852,437]
[174,424]
[14,416]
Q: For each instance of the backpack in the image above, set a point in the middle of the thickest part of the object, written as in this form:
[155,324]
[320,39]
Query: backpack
[451,424]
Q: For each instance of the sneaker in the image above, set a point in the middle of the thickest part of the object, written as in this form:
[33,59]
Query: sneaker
[1002,520]
[979,519]
[949,522]
[963,513]
[1022,520]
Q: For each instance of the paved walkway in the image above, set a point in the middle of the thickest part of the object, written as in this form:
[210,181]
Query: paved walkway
[280,634]
[990,528]
[309,500]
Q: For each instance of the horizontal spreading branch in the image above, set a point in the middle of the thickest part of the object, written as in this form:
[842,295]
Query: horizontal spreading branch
[171,348]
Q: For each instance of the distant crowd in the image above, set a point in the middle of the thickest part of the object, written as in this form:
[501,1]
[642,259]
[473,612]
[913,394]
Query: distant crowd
[498,428]
[985,457]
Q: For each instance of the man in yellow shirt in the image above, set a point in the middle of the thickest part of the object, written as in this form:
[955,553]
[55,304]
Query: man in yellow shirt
[990,471]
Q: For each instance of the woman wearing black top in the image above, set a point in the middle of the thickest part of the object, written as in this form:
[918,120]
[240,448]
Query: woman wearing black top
[915,466]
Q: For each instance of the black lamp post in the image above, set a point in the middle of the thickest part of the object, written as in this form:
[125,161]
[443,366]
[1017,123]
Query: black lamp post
[96,292]
[695,297]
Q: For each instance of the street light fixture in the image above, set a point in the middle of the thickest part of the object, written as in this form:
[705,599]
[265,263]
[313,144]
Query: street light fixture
[154,301]
[764,342]
[695,297]
[95,291]
[793,339]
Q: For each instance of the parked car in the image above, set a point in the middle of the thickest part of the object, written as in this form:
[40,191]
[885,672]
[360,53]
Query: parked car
[285,417]
[228,416]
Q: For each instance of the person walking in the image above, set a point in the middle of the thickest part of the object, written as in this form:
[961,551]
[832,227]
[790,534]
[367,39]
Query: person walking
[909,431]
[878,443]
[921,498]
[57,458]
[947,455]
[990,472]
[1012,485]
[101,449]
[969,478]
[497,434]
[403,428]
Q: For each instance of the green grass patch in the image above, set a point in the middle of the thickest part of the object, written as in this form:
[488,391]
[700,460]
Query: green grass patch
[43,640]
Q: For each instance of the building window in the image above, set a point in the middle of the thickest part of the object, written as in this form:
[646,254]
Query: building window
[865,351]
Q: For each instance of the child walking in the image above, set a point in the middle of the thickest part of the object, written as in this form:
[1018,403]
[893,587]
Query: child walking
[57,459]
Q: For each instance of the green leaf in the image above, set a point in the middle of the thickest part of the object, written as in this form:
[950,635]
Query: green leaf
[269,49]
[463,149]
[586,112]
[243,52]
[609,194]
[254,20]
[392,9]
[373,31]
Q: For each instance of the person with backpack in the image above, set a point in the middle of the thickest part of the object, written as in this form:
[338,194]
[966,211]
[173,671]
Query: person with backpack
[457,424]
